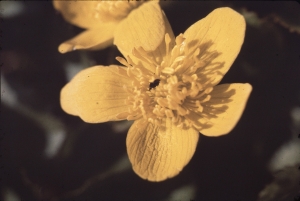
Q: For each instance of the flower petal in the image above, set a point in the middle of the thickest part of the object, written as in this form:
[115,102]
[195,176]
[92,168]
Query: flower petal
[219,36]
[94,39]
[96,94]
[144,27]
[160,152]
[160,53]
[225,108]
[79,13]
[154,57]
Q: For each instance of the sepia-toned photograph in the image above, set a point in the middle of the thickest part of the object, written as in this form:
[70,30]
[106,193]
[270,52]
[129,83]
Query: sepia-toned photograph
[150,100]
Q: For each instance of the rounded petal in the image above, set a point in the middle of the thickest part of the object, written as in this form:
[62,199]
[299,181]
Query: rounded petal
[160,152]
[79,13]
[156,56]
[96,94]
[219,36]
[144,27]
[93,39]
[160,53]
[225,108]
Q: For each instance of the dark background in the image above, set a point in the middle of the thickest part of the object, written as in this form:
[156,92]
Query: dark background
[91,161]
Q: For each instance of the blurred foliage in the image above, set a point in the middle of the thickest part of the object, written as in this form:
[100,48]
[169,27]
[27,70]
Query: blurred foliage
[89,162]
[284,187]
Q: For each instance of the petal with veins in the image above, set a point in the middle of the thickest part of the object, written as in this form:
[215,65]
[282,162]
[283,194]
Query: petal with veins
[160,152]
[225,108]
[97,95]
[79,13]
[144,27]
[219,36]
[94,39]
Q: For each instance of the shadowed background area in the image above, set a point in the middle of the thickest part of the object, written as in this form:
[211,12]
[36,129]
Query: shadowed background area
[47,154]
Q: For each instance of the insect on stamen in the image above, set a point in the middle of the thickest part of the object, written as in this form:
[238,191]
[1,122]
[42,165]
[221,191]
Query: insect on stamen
[154,84]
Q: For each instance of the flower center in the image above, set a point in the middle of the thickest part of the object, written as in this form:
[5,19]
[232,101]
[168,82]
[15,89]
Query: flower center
[114,10]
[175,88]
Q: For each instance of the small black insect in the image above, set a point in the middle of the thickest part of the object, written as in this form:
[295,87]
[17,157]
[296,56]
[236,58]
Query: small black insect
[154,84]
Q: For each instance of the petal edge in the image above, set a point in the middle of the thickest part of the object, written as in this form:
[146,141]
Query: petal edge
[225,107]
[143,27]
[220,36]
[96,94]
[158,153]
[97,38]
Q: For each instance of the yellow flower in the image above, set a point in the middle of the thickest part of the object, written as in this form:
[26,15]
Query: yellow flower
[101,20]
[171,93]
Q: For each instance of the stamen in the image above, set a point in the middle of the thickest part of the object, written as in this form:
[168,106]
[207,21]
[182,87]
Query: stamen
[122,61]
[167,41]
[177,90]
[168,71]
[179,39]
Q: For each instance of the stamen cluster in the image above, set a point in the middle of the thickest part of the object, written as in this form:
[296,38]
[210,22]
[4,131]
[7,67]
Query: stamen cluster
[182,88]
